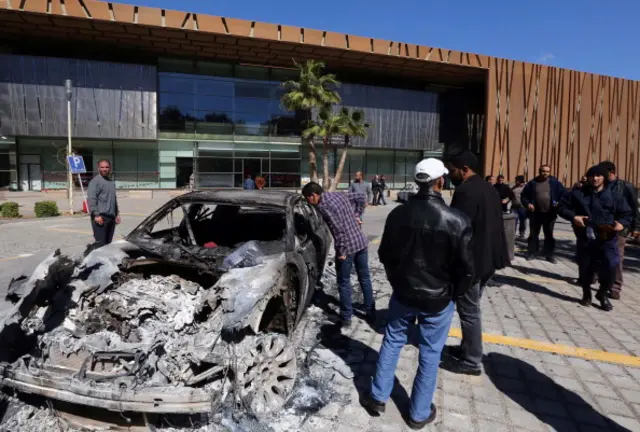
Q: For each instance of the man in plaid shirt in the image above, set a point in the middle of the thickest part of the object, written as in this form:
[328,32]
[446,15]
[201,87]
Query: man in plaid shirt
[342,211]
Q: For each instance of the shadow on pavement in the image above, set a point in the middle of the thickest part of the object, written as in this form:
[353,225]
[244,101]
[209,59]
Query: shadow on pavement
[543,273]
[540,395]
[530,286]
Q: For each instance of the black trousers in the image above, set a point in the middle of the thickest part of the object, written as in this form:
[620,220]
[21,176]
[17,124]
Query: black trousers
[103,234]
[546,222]
[597,257]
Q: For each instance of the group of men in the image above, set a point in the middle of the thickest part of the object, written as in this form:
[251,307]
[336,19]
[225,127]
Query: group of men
[434,256]
[544,198]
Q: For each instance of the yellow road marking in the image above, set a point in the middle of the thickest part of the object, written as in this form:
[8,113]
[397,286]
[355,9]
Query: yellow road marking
[375,241]
[70,230]
[583,353]
[16,257]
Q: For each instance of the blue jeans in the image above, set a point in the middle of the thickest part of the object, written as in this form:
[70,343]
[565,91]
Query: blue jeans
[434,329]
[343,270]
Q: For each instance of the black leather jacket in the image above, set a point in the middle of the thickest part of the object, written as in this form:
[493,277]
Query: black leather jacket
[427,254]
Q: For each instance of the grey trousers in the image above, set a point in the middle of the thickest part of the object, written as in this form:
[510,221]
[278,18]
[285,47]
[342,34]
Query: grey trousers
[470,314]
[617,285]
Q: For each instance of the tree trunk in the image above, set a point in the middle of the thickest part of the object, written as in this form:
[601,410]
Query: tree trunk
[336,179]
[313,166]
[326,183]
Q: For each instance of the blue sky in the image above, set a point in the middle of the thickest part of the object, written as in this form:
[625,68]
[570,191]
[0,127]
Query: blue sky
[587,35]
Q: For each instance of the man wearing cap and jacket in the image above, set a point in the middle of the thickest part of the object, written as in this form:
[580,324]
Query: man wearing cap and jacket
[426,253]
[598,214]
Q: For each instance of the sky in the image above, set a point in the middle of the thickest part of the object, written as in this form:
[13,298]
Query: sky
[586,35]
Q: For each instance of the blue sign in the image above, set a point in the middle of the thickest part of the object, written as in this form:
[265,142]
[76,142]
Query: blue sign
[76,163]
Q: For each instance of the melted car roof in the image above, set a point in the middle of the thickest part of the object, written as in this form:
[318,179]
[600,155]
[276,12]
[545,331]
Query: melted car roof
[242,197]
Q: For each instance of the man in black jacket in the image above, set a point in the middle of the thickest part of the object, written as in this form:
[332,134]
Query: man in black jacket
[426,253]
[481,203]
[598,215]
[628,192]
[541,197]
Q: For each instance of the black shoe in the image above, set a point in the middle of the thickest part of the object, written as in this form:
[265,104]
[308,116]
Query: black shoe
[605,304]
[615,295]
[552,260]
[457,367]
[452,351]
[346,324]
[372,317]
[373,407]
[419,425]
[531,257]
[586,297]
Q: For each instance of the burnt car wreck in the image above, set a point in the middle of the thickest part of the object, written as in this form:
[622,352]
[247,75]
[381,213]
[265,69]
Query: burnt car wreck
[196,304]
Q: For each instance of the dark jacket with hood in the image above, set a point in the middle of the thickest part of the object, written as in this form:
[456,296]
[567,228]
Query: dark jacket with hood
[426,252]
[481,203]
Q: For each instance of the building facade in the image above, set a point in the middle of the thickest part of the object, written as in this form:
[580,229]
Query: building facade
[166,94]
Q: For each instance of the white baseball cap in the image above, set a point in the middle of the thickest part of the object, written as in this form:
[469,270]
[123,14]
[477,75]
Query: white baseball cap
[429,169]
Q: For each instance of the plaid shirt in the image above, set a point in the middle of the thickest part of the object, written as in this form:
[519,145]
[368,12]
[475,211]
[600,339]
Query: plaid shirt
[340,210]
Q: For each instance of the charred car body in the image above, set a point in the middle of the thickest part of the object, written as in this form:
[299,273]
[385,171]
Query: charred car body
[196,303]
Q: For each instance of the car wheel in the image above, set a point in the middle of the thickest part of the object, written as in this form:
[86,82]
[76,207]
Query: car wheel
[266,372]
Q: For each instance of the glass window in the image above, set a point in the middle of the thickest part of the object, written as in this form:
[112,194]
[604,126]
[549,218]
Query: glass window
[252,72]
[285,165]
[213,103]
[284,151]
[212,86]
[180,101]
[256,105]
[254,90]
[176,65]
[175,83]
[278,74]
[251,150]
[283,180]
[217,165]
[214,68]
[208,180]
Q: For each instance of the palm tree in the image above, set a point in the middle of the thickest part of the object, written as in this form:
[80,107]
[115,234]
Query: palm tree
[329,124]
[352,125]
[312,91]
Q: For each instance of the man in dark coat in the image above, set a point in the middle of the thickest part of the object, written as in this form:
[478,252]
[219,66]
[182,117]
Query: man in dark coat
[480,201]
[541,197]
[598,214]
[628,192]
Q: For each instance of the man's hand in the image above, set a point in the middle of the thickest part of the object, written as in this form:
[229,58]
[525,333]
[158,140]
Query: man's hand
[531,207]
[579,221]
[617,227]
[636,235]
[342,258]
[505,201]
[359,221]
[118,220]
[99,220]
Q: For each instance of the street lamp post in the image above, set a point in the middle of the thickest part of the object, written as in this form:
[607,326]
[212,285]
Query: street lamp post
[68,87]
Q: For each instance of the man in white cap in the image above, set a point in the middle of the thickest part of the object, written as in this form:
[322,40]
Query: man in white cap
[426,253]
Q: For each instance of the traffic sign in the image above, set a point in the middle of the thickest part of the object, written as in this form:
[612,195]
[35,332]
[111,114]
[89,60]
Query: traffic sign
[76,163]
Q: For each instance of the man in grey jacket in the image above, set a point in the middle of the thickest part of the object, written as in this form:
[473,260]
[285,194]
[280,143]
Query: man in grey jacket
[103,205]
[359,186]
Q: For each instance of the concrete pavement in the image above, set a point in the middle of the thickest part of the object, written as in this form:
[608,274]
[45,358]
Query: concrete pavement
[550,363]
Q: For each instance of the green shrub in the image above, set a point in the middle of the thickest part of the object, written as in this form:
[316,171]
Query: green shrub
[46,209]
[9,209]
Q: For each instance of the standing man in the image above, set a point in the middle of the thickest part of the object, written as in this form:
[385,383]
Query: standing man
[426,253]
[517,206]
[358,185]
[505,193]
[375,188]
[598,215]
[490,179]
[383,187]
[103,205]
[342,211]
[249,184]
[628,192]
[540,197]
[479,200]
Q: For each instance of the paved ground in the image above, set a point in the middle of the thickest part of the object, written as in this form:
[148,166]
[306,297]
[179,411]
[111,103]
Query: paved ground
[550,364]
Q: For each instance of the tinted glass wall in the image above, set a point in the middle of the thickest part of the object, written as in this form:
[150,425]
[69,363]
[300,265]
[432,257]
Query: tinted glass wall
[241,101]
